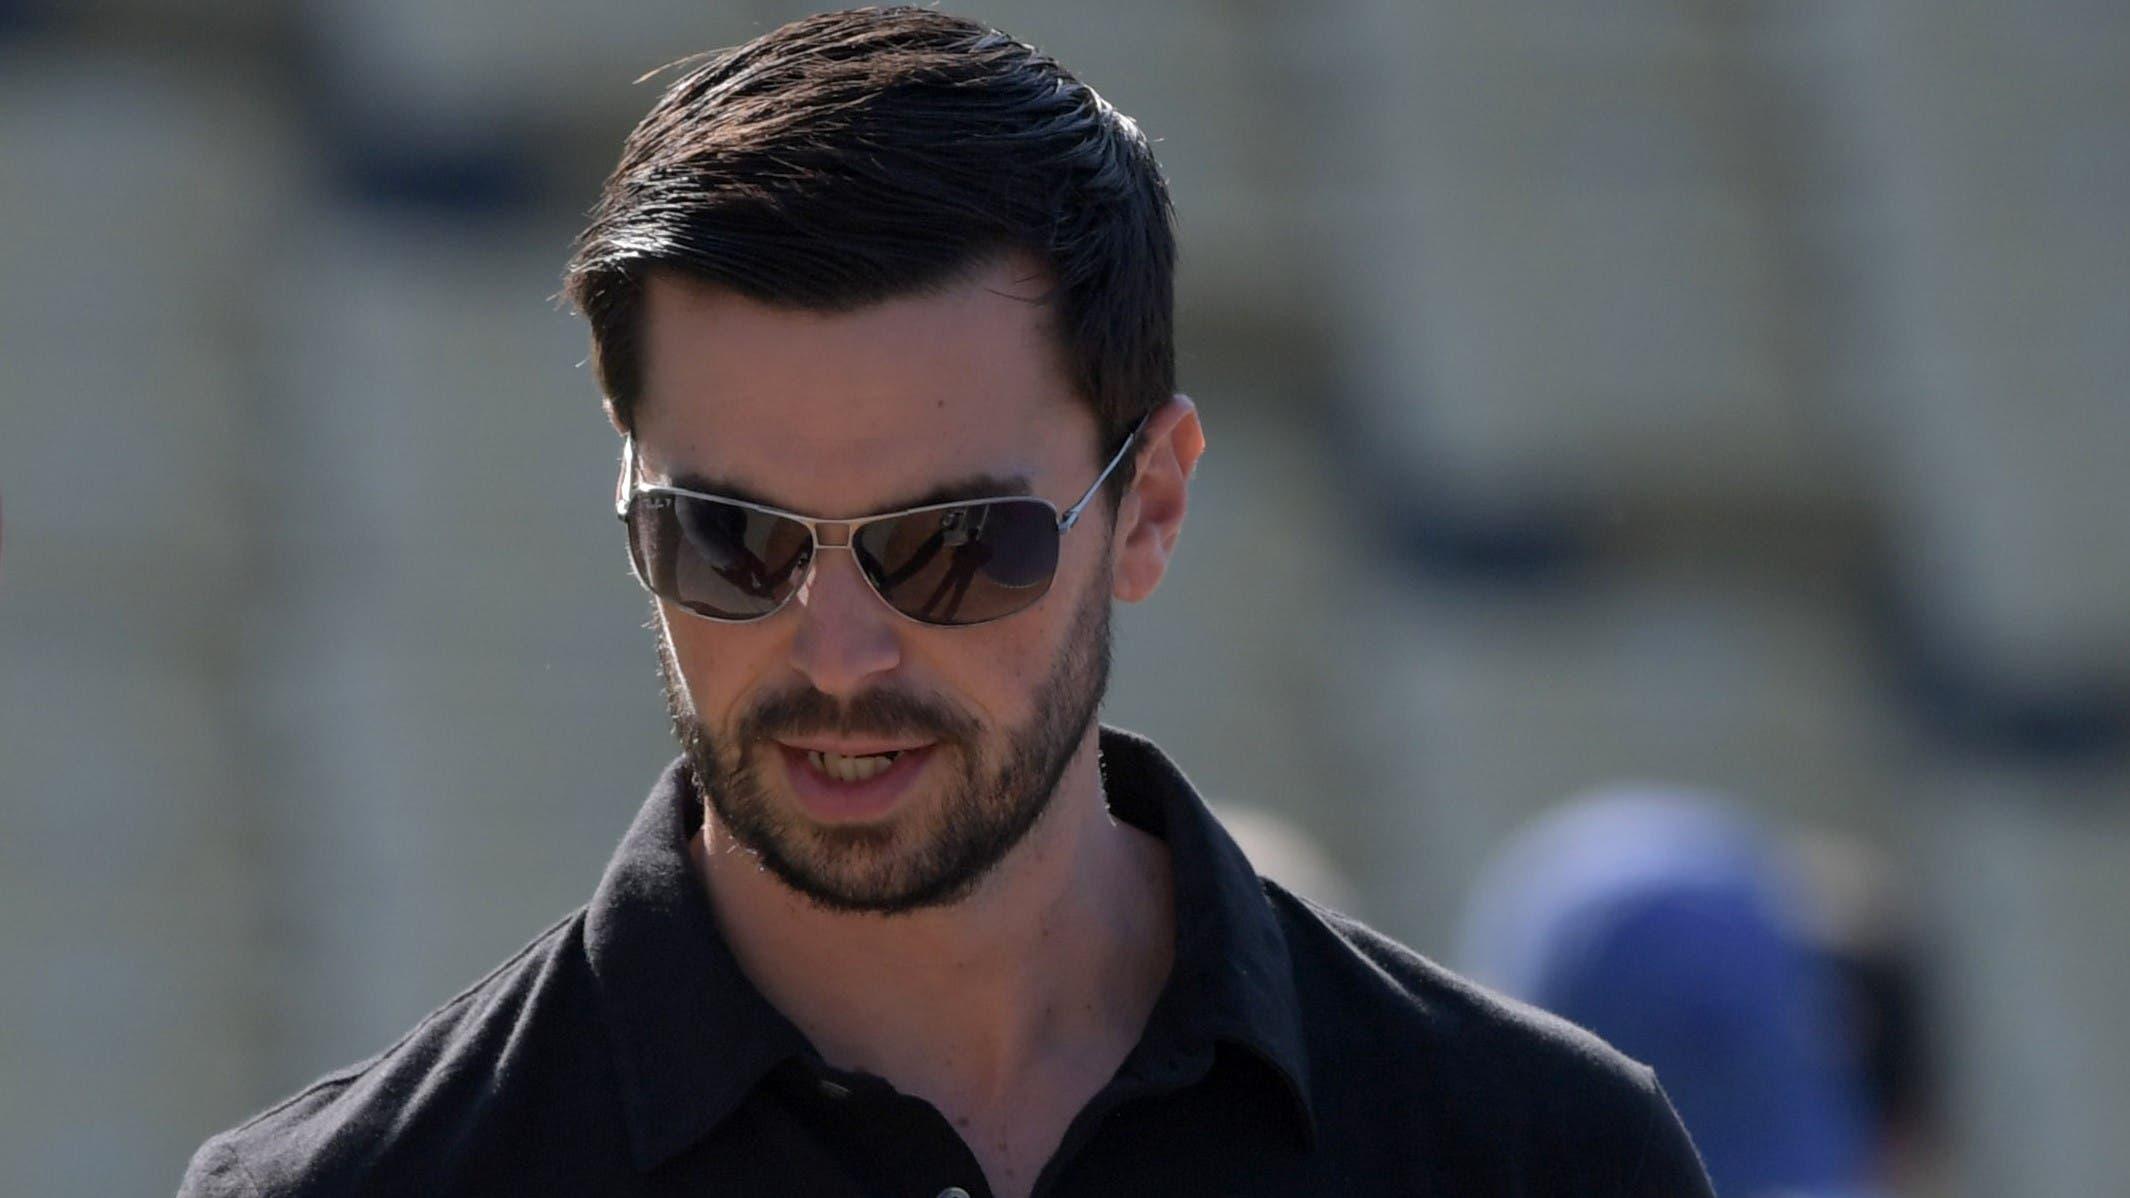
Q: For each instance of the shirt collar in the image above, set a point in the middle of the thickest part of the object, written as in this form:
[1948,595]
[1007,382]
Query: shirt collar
[1232,980]
[692,1036]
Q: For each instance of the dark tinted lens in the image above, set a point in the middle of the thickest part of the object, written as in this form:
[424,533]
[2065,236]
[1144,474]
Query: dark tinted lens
[716,559]
[963,564]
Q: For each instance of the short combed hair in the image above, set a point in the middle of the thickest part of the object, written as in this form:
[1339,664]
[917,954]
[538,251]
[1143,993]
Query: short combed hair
[853,157]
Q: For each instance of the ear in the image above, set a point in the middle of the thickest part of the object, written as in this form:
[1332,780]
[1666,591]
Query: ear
[1151,515]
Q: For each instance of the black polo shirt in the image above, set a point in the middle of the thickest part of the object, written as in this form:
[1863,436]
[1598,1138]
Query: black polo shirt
[1292,1052]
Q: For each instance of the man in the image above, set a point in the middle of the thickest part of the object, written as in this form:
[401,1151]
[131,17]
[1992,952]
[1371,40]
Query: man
[880,304]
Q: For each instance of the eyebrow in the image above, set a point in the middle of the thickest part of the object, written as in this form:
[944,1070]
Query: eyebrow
[957,490]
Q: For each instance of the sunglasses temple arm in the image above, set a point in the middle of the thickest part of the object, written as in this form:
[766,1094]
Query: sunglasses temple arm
[625,486]
[1071,515]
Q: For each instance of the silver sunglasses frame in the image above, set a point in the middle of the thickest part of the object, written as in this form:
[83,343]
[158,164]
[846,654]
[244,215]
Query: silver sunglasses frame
[629,487]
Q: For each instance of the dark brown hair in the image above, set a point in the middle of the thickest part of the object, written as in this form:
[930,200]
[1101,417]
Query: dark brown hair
[852,157]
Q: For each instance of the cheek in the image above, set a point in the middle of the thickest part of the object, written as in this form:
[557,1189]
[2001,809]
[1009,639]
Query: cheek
[712,662]
[1014,658]
[1016,666]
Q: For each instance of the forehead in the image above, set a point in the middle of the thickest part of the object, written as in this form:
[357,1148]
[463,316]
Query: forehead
[844,413]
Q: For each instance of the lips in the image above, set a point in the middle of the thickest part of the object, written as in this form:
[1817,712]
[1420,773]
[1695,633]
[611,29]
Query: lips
[849,782]
[848,767]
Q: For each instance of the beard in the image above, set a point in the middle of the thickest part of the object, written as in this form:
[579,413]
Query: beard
[994,795]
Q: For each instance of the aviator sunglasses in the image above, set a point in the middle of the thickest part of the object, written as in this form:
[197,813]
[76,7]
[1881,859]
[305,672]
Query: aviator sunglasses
[947,564]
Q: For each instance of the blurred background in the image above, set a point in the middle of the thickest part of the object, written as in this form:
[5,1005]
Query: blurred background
[1709,416]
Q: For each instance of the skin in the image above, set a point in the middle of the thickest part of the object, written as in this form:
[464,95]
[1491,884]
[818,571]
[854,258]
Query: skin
[1008,1006]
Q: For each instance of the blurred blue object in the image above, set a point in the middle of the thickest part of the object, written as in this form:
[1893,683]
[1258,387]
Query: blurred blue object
[1667,923]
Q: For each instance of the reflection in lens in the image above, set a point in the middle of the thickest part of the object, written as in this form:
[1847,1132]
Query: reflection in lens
[719,559]
[1023,544]
[962,564]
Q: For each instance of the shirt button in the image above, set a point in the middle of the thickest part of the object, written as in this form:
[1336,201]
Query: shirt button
[954,1192]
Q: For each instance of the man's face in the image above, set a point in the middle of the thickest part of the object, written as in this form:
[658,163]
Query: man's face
[787,719]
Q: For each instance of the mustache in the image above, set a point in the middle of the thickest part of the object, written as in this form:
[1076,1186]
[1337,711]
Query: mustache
[808,712]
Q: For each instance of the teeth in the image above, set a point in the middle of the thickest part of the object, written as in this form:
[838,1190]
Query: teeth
[850,769]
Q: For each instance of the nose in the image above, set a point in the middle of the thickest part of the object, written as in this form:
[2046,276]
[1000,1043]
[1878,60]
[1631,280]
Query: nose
[847,638]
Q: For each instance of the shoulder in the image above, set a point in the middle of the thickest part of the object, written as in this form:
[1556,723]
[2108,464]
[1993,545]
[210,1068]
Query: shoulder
[1495,1083]
[1385,987]
[399,1120]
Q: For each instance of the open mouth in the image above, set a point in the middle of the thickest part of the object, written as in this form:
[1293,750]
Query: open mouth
[839,787]
[852,769]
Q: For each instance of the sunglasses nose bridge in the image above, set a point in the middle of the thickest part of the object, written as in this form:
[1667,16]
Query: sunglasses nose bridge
[836,534]
[832,534]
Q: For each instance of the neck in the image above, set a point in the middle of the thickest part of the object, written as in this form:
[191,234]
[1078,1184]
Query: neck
[1045,972]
